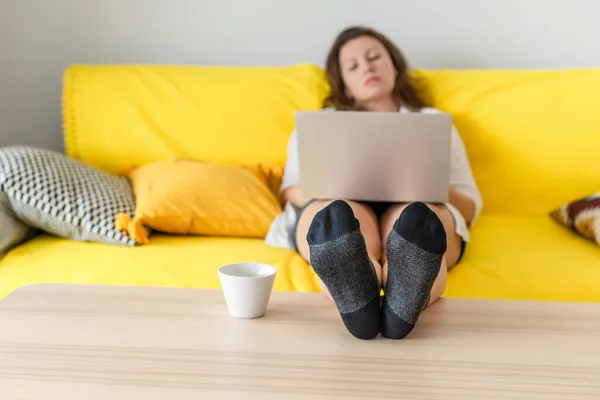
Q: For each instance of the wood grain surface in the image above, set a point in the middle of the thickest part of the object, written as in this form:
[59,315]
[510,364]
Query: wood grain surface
[109,342]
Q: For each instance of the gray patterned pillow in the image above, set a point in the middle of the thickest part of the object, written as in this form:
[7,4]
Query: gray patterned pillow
[12,231]
[52,192]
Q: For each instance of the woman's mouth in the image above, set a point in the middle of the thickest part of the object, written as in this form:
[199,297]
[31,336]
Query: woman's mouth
[371,80]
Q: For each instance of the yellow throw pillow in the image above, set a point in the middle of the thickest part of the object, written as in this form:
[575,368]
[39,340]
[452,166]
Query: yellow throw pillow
[189,197]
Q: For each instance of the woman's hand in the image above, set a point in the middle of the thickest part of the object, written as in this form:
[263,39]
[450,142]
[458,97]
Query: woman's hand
[293,194]
[464,204]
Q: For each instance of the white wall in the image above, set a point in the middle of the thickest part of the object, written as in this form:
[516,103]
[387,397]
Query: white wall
[40,38]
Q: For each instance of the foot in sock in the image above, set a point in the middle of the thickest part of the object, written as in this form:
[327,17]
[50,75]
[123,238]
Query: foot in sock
[339,256]
[414,254]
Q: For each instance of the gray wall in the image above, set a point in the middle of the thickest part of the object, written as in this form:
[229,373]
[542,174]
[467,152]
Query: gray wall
[40,38]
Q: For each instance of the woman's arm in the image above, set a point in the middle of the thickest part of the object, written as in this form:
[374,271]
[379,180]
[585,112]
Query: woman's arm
[464,204]
[290,183]
[464,193]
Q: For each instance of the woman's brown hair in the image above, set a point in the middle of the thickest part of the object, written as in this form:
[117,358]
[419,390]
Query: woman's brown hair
[405,91]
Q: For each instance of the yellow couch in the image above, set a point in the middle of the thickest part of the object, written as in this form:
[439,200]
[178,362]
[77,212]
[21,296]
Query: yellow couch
[530,136]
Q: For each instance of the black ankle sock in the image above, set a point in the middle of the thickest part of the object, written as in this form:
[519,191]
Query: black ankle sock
[414,254]
[338,255]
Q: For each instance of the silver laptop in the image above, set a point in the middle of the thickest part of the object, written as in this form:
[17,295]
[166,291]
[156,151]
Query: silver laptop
[374,156]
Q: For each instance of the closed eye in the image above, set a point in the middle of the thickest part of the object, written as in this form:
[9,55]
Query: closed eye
[374,57]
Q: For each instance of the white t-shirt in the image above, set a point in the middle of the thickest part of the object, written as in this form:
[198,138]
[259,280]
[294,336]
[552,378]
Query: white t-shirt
[461,178]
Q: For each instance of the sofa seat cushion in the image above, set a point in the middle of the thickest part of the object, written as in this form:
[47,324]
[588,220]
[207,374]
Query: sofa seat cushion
[526,258]
[173,261]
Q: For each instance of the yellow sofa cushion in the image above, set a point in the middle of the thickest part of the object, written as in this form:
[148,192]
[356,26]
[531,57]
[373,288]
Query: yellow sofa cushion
[530,135]
[526,258]
[167,261]
[189,197]
[117,116]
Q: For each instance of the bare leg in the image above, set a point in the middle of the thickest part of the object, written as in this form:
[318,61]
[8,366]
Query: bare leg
[454,243]
[368,226]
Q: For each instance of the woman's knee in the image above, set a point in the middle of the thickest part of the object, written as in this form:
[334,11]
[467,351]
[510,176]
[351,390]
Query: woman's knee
[369,226]
[453,240]
[363,213]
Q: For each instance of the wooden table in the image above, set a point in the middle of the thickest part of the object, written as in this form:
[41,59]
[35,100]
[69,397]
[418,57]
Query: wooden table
[96,342]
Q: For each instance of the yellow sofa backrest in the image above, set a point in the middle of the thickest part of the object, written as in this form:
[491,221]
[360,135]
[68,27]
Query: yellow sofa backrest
[532,136]
[116,117]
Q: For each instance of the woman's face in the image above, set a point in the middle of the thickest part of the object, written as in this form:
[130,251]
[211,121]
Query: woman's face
[367,70]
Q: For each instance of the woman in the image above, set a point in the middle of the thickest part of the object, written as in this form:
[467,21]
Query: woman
[357,248]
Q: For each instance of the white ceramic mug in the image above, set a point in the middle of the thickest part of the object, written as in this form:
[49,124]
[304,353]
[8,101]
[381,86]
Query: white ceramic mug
[247,288]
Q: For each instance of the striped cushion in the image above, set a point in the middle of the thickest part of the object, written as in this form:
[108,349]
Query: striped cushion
[65,197]
[581,216]
[12,231]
